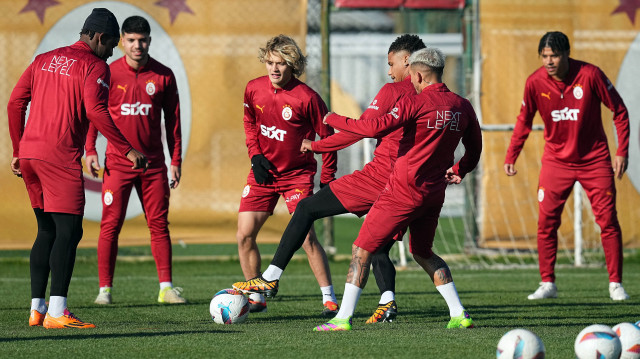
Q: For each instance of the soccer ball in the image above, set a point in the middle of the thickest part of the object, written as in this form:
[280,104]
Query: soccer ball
[597,341]
[521,344]
[629,336]
[229,306]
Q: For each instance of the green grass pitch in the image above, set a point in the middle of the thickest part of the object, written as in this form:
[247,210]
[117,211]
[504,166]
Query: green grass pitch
[136,326]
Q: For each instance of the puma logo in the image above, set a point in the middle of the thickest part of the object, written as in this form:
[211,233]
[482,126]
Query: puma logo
[260,108]
[299,191]
[123,88]
[547,95]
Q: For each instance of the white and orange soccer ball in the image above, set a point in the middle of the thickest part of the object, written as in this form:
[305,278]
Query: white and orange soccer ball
[629,335]
[597,341]
[520,344]
[229,306]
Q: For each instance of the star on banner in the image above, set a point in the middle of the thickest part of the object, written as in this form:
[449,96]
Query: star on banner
[175,7]
[629,7]
[39,7]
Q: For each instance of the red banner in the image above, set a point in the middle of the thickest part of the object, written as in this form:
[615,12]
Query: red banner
[393,4]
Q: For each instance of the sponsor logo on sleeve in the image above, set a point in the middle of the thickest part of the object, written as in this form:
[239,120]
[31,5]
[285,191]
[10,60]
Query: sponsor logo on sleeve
[104,84]
[373,105]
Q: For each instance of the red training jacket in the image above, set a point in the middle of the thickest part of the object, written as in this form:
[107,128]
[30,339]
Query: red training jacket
[65,87]
[136,102]
[571,113]
[386,152]
[433,122]
[277,120]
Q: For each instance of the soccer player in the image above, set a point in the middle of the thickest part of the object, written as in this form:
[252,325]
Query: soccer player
[433,122]
[568,94]
[279,112]
[354,193]
[67,88]
[141,90]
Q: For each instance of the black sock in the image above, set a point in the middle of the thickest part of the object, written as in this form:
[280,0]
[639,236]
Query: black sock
[383,269]
[63,252]
[40,253]
[320,205]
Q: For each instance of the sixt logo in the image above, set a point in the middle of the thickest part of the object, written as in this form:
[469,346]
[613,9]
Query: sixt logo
[565,114]
[272,132]
[135,109]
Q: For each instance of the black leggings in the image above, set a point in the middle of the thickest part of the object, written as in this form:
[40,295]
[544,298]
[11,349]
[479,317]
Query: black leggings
[54,250]
[320,205]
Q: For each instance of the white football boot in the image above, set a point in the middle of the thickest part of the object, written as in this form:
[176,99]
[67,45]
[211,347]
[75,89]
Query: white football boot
[546,290]
[617,292]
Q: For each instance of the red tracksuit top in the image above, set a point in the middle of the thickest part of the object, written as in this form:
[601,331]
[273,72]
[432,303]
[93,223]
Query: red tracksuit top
[66,87]
[136,102]
[386,152]
[570,110]
[433,122]
[277,120]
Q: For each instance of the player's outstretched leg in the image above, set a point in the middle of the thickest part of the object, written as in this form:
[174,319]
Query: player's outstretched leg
[258,285]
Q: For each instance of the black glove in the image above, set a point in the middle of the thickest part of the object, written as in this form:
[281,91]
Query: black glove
[261,166]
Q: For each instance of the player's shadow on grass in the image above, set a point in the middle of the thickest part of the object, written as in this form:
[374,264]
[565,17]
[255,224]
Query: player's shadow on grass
[90,334]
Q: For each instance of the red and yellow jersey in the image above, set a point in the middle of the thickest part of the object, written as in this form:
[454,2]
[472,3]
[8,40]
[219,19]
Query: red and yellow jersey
[137,100]
[433,123]
[570,110]
[277,120]
[386,151]
[67,88]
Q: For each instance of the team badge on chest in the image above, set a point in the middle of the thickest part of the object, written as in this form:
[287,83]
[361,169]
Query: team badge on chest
[287,113]
[151,87]
[577,91]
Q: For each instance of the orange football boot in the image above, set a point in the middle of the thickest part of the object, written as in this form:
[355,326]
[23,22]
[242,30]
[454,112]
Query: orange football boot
[36,318]
[67,320]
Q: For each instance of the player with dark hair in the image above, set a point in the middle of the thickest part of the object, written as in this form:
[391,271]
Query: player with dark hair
[357,192]
[279,112]
[568,94]
[142,89]
[67,88]
[434,121]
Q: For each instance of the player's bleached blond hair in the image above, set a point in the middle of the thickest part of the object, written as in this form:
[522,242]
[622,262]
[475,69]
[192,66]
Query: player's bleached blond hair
[288,50]
[430,57]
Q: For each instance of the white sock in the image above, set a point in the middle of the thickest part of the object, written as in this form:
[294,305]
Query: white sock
[328,294]
[450,295]
[164,285]
[272,273]
[39,305]
[349,301]
[105,290]
[386,297]
[57,305]
[257,297]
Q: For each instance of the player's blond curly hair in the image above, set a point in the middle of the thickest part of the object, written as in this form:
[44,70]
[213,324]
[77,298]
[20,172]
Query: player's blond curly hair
[288,50]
